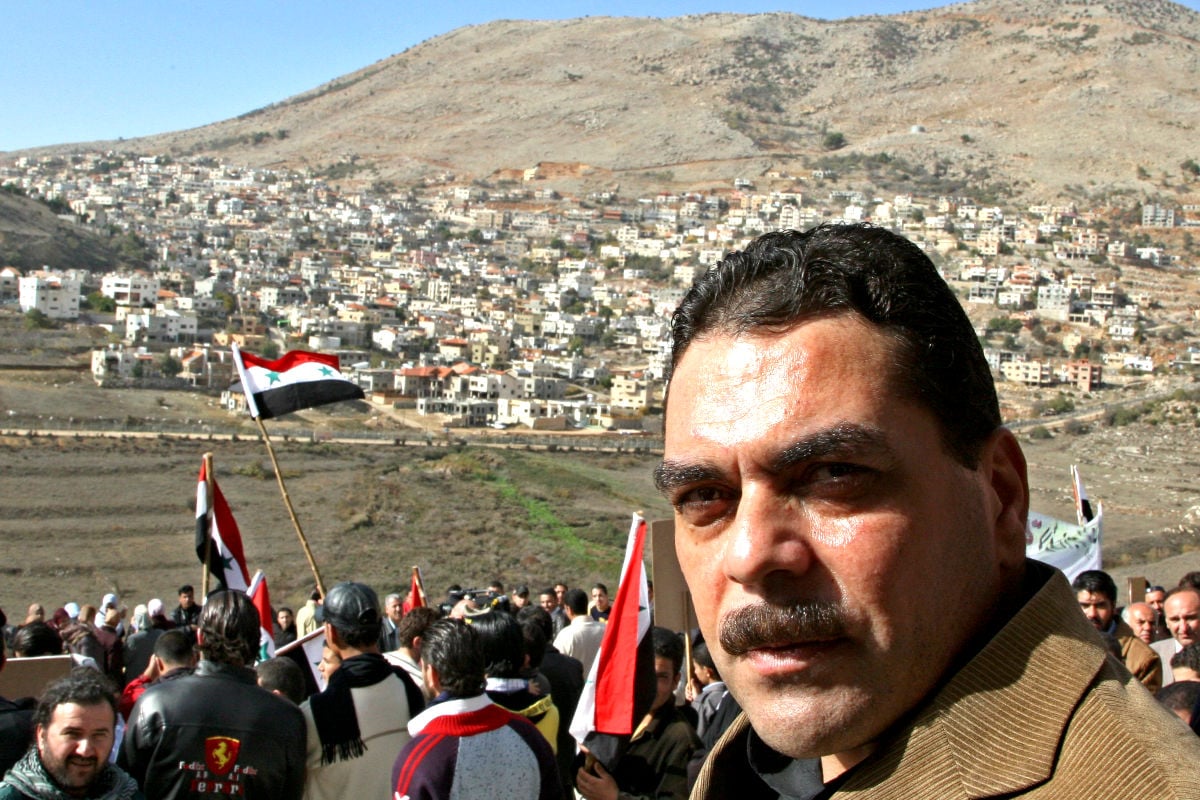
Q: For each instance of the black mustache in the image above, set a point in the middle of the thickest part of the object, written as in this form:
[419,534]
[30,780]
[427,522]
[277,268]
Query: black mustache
[753,627]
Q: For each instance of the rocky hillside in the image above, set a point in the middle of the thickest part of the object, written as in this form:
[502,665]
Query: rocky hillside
[32,235]
[1034,98]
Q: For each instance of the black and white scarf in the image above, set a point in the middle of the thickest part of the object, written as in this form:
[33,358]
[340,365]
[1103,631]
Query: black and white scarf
[333,709]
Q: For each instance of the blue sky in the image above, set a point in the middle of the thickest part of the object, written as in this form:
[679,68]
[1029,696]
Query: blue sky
[81,70]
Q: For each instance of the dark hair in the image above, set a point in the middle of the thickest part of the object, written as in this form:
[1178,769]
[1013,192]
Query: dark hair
[1096,581]
[187,587]
[785,278]
[37,639]
[534,636]
[231,628]
[282,609]
[540,617]
[176,647]
[82,686]
[600,586]
[1179,696]
[703,657]
[452,648]
[283,675]
[1188,657]
[415,623]
[1191,580]
[667,644]
[576,600]
[500,641]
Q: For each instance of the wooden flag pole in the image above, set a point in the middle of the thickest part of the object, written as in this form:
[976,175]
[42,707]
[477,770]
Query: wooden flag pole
[420,586]
[287,501]
[208,504]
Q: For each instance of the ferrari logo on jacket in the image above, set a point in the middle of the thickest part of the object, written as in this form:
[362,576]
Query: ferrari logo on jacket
[220,753]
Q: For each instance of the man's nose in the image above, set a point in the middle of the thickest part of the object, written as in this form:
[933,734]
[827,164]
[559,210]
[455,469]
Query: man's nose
[770,536]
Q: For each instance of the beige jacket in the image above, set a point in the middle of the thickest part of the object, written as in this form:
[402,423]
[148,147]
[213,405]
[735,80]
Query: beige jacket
[1041,712]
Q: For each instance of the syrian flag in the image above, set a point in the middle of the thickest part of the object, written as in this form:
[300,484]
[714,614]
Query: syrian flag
[261,597]
[227,562]
[620,688]
[416,593]
[295,380]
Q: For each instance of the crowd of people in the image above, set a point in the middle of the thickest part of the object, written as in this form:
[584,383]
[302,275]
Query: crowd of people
[473,695]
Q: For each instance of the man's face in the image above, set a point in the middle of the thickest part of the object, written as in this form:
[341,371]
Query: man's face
[600,599]
[284,618]
[74,746]
[394,609]
[559,590]
[1183,616]
[1155,599]
[548,602]
[666,678]
[814,503]
[1097,608]
[1141,619]
[185,599]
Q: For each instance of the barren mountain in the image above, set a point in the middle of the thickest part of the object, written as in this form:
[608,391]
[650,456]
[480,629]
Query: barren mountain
[1040,98]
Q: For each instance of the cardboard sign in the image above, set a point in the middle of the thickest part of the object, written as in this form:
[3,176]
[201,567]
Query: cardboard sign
[28,677]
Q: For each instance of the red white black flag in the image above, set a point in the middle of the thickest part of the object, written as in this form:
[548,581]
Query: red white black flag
[620,688]
[295,380]
[227,562]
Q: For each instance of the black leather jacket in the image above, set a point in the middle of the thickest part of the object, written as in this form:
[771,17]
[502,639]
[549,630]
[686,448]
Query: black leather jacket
[212,733]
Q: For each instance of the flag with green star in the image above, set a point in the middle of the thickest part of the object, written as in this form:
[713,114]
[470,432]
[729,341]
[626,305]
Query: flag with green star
[227,561]
[295,380]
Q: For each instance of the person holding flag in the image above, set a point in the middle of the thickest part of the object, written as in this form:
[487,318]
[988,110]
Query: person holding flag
[654,765]
[626,720]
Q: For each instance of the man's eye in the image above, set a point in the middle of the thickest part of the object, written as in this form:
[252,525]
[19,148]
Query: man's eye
[836,471]
[701,496]
[701,505]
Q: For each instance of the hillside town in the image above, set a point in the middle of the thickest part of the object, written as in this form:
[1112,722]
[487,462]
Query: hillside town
[504,303]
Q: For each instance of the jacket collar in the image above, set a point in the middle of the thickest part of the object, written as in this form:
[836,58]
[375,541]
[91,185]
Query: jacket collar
[997,725]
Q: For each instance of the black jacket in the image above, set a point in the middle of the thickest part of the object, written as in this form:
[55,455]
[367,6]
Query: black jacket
[215,732]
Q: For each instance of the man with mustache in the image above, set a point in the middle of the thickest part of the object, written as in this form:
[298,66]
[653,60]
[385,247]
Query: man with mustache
[835,457]
[73,736]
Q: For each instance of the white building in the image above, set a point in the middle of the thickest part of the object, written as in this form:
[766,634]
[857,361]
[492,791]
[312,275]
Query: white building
[57,298]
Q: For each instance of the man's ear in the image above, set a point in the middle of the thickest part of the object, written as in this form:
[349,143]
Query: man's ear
[332,638]
[1007,483]
[433,681]
[416,646]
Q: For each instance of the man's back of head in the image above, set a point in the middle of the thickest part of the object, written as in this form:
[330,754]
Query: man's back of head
[453,649]
[352,610]
[575,602]
[413,625]
[281,676]
[176,648]
[501,641]
[230,629]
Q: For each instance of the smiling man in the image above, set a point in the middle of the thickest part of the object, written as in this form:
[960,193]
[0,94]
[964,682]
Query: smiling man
[73,736]
[834,453]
